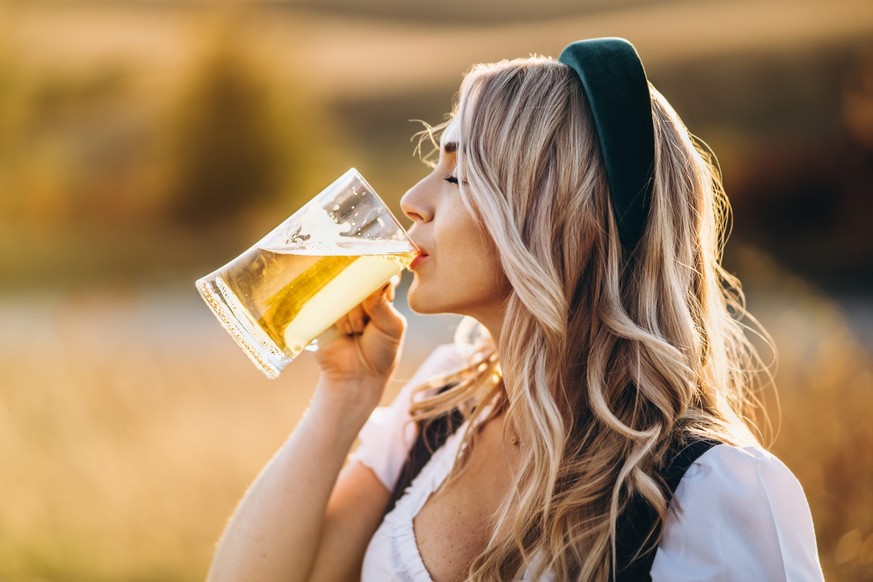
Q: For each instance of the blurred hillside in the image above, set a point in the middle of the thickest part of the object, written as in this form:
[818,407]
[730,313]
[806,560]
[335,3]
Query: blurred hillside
[459,12]
[126,127]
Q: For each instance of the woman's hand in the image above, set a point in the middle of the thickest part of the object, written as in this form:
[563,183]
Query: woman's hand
[358,364]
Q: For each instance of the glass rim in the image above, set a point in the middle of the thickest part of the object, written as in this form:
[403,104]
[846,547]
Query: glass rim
[353,171]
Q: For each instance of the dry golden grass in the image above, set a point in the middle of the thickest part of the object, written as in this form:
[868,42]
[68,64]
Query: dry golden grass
[129,427]
[825,388]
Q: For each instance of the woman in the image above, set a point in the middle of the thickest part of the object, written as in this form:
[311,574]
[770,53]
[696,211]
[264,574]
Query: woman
[601,379]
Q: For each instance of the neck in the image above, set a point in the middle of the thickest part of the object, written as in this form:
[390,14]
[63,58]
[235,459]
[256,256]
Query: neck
[493,322]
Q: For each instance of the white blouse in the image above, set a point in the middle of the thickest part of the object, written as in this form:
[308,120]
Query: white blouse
[743,513]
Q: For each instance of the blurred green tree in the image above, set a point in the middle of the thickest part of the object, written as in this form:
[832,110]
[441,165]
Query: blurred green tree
[227,153]
[10,127]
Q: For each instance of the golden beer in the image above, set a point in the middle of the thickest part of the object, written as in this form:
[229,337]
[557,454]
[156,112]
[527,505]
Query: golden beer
[316,266]
[279,300]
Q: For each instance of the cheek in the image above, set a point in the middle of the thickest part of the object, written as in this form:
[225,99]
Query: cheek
[474,266]
[463,246]
[491,271]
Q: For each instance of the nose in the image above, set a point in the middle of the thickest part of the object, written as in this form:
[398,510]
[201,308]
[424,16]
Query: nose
[416,204]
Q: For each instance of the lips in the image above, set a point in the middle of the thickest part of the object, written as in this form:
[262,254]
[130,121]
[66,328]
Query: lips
[423,254]
[418,260]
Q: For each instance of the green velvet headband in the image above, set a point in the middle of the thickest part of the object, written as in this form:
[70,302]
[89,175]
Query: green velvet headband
[615,84]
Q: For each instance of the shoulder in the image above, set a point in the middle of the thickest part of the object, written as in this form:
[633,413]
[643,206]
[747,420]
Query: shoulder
[738,514]
[746,472]
[387,436]
[444,359]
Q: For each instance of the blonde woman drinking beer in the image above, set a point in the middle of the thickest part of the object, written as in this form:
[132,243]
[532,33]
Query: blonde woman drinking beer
[591,421]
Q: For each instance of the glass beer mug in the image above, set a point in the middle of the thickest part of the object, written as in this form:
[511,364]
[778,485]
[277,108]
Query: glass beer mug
[276,298]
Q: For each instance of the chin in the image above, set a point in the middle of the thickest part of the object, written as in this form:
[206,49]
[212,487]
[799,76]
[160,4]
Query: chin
[420,303]
[417,305]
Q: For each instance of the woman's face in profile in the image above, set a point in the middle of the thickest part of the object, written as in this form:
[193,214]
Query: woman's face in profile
[461,273]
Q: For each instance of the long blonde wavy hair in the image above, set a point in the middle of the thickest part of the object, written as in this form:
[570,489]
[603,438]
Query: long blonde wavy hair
[607,357]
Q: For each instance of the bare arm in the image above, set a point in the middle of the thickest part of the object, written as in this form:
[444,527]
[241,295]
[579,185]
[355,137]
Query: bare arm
[298,521]
[354,512]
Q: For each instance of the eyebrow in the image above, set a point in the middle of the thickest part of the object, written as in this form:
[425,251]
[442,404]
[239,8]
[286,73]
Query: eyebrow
[450,147]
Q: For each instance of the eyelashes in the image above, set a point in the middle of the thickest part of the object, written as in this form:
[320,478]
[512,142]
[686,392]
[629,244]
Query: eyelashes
[451,180]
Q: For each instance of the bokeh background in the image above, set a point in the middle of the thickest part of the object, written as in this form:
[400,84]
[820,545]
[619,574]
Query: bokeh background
[144,143]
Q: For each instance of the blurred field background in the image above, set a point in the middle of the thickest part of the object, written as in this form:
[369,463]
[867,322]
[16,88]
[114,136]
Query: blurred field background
[144,143]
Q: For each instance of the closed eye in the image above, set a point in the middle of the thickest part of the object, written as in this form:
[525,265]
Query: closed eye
[451,179]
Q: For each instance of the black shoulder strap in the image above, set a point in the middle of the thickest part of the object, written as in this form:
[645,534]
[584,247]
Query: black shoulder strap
[431,436]
[637,520]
